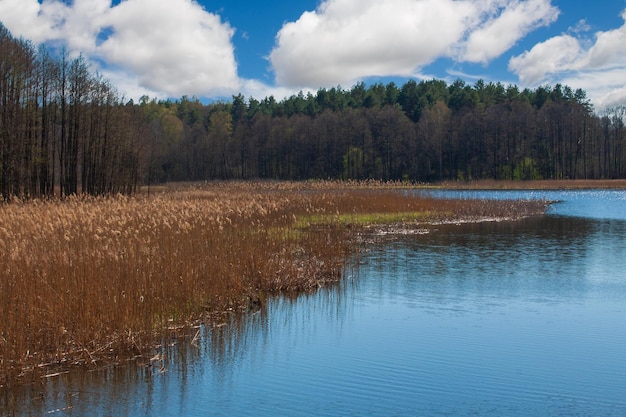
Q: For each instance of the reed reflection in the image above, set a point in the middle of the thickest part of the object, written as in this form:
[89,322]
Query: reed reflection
[194,372]
[537,257]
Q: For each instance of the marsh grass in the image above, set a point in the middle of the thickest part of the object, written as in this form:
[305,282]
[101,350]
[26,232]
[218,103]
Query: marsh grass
[91,281]
[364,219]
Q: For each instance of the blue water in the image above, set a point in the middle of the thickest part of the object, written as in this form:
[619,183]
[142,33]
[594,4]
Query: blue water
[593,204]
[520,318]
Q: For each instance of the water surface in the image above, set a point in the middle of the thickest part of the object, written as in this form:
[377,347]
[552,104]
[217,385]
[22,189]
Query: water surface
[519,319]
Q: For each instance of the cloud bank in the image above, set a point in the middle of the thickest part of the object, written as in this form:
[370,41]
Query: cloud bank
[176,47]
[347,40]
[165,47]
[596,64]
[170,48]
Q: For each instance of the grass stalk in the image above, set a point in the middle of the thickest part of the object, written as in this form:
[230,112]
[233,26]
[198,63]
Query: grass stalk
[88,281]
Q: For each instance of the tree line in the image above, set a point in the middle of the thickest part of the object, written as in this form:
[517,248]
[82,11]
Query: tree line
[63,129]
[66,130]
[420,131]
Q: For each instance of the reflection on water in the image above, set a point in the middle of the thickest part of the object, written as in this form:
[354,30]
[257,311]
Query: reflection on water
[540,257]
[595,204]
[521,319]
[514,319]
[200,378]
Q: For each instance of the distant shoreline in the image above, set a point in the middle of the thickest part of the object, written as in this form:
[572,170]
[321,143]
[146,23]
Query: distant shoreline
[534,185]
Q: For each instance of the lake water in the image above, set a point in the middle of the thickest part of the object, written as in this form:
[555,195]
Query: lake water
[518,319]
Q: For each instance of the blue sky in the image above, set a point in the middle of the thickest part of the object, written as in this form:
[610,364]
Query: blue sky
[217,48]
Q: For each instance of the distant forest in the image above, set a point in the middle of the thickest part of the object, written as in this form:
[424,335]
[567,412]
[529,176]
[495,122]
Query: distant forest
[65,130]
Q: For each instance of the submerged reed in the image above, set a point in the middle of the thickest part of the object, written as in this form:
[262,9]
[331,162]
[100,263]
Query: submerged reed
[86,281]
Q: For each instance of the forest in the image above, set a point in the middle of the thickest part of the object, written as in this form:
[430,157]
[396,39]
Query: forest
[66,130]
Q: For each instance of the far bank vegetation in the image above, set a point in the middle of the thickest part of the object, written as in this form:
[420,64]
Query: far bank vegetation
[65,130]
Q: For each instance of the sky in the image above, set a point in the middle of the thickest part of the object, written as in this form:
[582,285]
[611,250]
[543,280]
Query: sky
[213,49]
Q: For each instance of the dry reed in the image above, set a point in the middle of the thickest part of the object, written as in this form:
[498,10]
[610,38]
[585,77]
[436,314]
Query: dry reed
[86,281]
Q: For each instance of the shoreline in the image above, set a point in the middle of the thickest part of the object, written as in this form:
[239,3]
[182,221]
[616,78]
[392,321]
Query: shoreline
[147,355]
[132,273]
[616,184]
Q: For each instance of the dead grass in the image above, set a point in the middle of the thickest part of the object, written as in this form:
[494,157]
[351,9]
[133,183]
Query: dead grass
[87,281]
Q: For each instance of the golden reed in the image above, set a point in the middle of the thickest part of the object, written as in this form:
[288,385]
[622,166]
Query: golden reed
[86,281]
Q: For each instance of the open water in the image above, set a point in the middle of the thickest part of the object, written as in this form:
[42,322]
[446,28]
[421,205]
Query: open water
[520,318]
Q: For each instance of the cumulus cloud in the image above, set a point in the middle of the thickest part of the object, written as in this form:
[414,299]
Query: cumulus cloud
[609,49]
[605,88]
[612,97]
[597,65]
[34,21]
[560,53]
[346,40]
[171,47]
[499,33]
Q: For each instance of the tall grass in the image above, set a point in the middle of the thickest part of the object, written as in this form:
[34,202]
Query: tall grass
[90,280]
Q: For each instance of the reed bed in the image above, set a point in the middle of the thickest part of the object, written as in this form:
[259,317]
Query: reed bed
[89,281]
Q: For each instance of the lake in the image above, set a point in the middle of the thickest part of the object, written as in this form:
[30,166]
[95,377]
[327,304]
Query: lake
[519,318]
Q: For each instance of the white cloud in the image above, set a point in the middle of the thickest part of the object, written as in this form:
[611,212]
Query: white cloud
[614,97]
[609,49]
[581,26]
[171,47]
[500,33]
[557,54]
[605,88]
[129,86]
[598,65]
[346,40]
[260,90]
[34,21]
[53,20]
